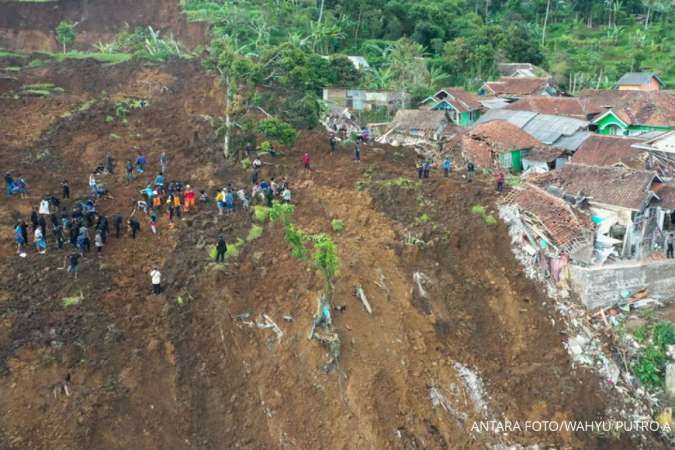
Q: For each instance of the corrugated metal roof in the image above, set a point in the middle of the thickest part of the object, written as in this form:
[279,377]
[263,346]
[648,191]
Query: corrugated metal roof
[559,131]
[494,103]
[638,78]
[573,142]
[517,118]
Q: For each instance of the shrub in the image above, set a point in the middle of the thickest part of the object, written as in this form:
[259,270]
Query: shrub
[337,225]
[72,301]
[281,212]
[650,366]
[261,213]
[478,210]
[234,248]
[246,164]
[490,219]
[296,239]
[423,219]
[254,233]
[403,183]
[325,256]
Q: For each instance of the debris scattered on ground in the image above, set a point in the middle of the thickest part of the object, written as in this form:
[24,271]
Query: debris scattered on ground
[361,295]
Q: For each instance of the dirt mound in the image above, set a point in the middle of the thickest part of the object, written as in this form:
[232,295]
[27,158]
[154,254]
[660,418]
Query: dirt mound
[457,332]
[29,26]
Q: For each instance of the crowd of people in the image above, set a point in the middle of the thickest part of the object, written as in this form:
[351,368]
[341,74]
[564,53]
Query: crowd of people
[79,227]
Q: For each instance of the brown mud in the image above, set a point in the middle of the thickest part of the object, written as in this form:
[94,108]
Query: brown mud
[145,372]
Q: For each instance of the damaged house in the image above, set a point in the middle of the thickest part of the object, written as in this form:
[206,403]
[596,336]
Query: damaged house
[577,108]
[363,99]
[497,144]
[599,150]
[463,107]
[624,204]
[417,127]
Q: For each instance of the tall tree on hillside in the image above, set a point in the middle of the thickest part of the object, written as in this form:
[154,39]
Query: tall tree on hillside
[65,34]
[654,5]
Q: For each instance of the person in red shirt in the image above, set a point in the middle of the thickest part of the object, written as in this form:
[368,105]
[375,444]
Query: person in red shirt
[189,198]
[500,182]
[306,161]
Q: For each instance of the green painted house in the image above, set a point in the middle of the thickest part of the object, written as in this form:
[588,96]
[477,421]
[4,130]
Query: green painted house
[623,123]
[463,108]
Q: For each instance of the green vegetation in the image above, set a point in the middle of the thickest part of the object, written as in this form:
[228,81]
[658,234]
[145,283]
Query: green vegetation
[278,130]
[489,219]
[337,225]
[403,183]
[254,233]
[281,212]
[432,43]
[72,301]
[10,54]
[39,90]
[245,163]
[65,34]
[261,213]
[423,219]
[650,365]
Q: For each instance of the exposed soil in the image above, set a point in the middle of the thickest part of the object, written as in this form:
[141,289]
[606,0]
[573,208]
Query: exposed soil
[29,26]
[146,372]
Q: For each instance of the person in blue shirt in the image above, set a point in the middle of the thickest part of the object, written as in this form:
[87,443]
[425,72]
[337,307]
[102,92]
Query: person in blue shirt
[229,201]
[159,181]
[140,163]
[447,166]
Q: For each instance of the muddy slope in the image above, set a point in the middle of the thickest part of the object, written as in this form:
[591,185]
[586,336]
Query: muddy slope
[30,26]
[453,317]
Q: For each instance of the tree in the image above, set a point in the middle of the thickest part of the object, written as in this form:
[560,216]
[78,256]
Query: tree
[65,34]
[654,5]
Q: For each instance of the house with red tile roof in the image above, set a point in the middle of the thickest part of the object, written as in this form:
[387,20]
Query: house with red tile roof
[575,107]
[599,150]
[497,144]
[463,108]
[514,88]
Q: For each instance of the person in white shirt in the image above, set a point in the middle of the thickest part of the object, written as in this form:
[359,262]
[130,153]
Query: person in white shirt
[92,183]
[156,277]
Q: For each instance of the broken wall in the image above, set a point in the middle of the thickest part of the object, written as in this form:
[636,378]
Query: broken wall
[600,287]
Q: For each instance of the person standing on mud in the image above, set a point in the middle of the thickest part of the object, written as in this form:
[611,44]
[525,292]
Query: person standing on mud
[117,223]
[670,241]
[156,279]
[470,171]
[98,243]
[66,189]
[130,171]
[500,182]
[357,152]
[189,199]
[248,149]
[34,218]
[140,162]
[221,249]
[306,162]
[163,162]
[109,164]
[333,144]
[19,235]
[72,261]
[9,183]
[40,242]
[447,166]
[134,226]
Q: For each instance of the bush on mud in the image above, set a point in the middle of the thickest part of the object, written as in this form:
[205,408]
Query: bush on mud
[403,183]
[279,130]
[650,366]
[72,301]
[281,212]
[254,233]
[478,210]
[261,213]
[337,225]
[296,238]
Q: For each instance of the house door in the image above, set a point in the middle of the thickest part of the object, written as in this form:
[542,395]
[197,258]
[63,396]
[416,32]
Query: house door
[516,161]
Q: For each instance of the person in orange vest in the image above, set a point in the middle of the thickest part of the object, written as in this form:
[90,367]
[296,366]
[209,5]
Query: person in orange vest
[189,198]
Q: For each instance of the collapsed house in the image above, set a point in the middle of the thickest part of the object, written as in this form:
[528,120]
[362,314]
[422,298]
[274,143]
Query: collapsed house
[497,144]
[601,228]
[463,107]
[340,121]
[418,128]
[624,203]
[543,159]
